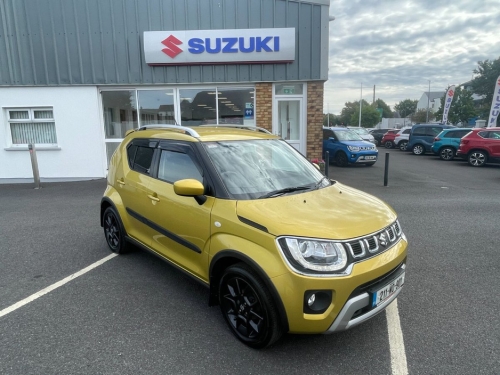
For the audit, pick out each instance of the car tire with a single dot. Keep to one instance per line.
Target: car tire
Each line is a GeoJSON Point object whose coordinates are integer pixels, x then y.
{"type": "Point", "coordinates": [477, 158]}
{"type": "Point", "coordinates": [447, 153]}
{"type": "Point", "coordinates": [341, 159]}
{"type": "Point", "coordinates": [418, 149]}
{"type": "Point", "coordinates": [114, 232]}
{"type": "Point", "coordinates": [248, 307]}
{"type": "Point", "coordinates": [402, 145]}
{"type": "Point", "coordinates": [389, 144]}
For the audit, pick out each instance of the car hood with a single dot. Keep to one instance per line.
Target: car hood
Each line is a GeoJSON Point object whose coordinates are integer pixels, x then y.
{"type": "Point", "coordinates": [358, 143]}
{"type": "Point", "coordinates": [335, 212]}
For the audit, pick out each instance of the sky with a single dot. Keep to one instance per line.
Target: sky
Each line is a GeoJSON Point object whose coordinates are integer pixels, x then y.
{"type": "Point", "coordinates": [399, 46]}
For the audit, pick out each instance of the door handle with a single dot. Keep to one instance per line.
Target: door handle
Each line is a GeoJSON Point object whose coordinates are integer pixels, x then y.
{"type": "Point", "coordinates": [120, 181]}
{"type": "Point", "coordinates": [153, 197]}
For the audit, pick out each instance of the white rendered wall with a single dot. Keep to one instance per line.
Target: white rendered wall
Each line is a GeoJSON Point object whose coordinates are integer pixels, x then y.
{"type": "Point", "coordinates": [80, 136]}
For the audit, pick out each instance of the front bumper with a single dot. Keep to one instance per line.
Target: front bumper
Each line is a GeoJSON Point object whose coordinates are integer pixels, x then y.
{"type": "Point", "coordinates": [349, 293]}
{"type": "Point", "coordinates": [357, 309]}
{"type": "Point", "coordinates": [362, 157]}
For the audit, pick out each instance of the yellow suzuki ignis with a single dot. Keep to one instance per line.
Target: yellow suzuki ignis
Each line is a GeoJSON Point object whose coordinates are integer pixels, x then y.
{"type": "Point", "coordinates": [280, 247]}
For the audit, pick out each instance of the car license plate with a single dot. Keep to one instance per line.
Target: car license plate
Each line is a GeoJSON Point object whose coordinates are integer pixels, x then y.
{"type": "Point", "coordinates": [370, 157]}
{"type": "Point", "coordinates": [384, 293]}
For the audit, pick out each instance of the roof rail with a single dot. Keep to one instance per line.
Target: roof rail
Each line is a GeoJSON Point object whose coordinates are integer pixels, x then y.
{"type": "Point", "coordinates": [186, 130]}
{"type": "Point", "coordinates": [246, 127]}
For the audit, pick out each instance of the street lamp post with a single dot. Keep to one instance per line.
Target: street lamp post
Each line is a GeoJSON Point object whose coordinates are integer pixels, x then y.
{"type": "Point", "coordinates": [360, 105]}
{"type": "Point", "coordinates": [428, 100]}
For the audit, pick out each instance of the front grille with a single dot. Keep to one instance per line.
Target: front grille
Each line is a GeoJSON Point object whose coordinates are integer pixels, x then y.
{"type": "Point", "coordinates": [377, 242]}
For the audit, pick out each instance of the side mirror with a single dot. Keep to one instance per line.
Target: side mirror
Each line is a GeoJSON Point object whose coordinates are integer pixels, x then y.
{"type": "Point", "coordinates": [190, 188]}
{"type": "Point", "coordinates": [332, 139]}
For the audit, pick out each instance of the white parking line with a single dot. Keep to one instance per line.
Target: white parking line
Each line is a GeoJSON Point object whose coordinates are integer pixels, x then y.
{"type": "Point", "coordinates": [54, 286]}
{"type": "Point", "coordinates": [396, 342]}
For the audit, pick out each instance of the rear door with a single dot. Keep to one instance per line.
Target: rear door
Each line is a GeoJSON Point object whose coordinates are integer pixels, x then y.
{"type": "Point", "coordinates": [494, 143]}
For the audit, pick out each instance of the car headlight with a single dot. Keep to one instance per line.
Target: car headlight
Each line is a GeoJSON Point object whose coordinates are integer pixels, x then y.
{"type": "Point", "coordinates": [353, 148]}
{"type": "Point", "coordinates": [315, 255]}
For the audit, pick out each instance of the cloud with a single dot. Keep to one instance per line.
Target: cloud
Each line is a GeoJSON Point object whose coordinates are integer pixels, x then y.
{"type": "Point", "coordinates": [399, 46]}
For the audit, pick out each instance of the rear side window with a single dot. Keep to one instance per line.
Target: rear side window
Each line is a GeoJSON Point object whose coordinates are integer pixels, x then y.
{"type": "Point", "coordinates": [407, 131]}
{"type": "Point", "coordinates": [140, 158]}
{"type": "Point", "coordinates": [419, 131]}
{"type": "Point", "coordinates": [433, 131]}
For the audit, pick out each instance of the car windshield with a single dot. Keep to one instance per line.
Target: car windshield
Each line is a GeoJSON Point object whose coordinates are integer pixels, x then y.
{"type": "Point", "coordinates": [347, 135]}
{"type": "Point", "coordinates": [263, 168]}
{"type": "Point", "coordinates": [360, 131]}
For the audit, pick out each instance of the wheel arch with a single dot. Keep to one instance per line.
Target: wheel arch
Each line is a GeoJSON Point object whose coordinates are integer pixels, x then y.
{"type": "Point", "coordinates": [227, 258]}
{"type": "Point", "coordinates": [478, 149]}
{"type": "Point", "coordinates": [447, 146]}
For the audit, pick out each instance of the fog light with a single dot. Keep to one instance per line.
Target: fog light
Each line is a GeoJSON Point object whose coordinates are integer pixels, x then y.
{"type": "Point", "coordinates": [311, 300]}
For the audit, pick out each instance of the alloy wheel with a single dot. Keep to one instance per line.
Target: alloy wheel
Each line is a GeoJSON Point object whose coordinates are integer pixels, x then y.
{"type": "Point", "coordinates": [243, 309]}
{"type": "Point", "coordinates": [112, 231]}
{"type": "Point", "coordinates": [447, 153]}
{"type": "Point", "coordinates": [402, 146]}
{"type": "Point", "coordinates": [477, 159]}
{"type": "Point", "coordinates": [418, 150]}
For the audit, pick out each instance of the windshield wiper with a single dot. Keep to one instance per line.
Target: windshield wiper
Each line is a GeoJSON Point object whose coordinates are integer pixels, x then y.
{"type": "Point", "coordinates": [318, 184]}
{"type": "Point", "coordinates": [284, 191]}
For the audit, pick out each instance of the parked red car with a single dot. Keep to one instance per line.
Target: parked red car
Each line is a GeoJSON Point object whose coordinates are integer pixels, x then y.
{"type": "Point", "coordinates": [388, 138]}
{"type": "Point", "coordinates": [480, 146]}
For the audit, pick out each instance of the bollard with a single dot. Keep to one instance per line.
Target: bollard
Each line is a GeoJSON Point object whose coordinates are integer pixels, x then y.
{"type": "Point", "coordinates": [34, 165]}
{"type": "Point", "coordinates": [327, 163]}
{"type": "Point", "coordinates": [386, 171]}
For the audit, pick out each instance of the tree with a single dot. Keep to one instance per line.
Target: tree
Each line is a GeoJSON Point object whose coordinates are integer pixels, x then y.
{"type": "Point", "coordinates": [487, 74]}
{"type": "Point", "coordinates": [461, 109]}
{"type": "Point", "coordinates": [329, 119]}
{"type": "Point", "coordinates": [406, 107]}
{"type": "Point", "coordinates": [386, 110]}
{"type": "Point", "coordinates": [349, 109]}
{"type": "Point", "coordinates": [369, 117]}
{"type": "Point", "coordinates": [484, 83]}
{"type": "Point", "coordinates": [420, 116]}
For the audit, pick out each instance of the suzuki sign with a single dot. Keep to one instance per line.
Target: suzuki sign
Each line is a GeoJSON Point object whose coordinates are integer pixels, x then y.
{"type": "Point", "coordinates": [230, 46]}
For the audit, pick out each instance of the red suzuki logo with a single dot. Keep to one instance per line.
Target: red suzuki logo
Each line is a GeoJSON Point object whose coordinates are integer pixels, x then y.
{"type": "Point", "coordinates": [450, 93]}
{"type": "Point", "coordinates": [171, 43]}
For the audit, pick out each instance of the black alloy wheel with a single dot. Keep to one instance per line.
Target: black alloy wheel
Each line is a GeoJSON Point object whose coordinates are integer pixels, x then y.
{"type": "Point", "coordinates": [113, 231]}
{"type": "Point", "coordinates": [248, 307]}
{"type": "Point", "coordinates": [402, 145]}
{"type": "Point", "coordinates": [418, 149]}
{"type": "Point", "coordinates": [341, 159]}
{"type": "Point", "coordinates": [389, 144]}
{"type": "Point", "coordinates": [447, 153]}
{"type": "Point", "coordinates": [477, 158]}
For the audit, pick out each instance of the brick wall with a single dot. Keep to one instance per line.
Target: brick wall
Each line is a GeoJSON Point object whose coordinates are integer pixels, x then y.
{"type": "Point", "coordinates": [264, 105]}
{"type": "Point", "coordinates": [314, 120]}
{"type": "Point", "coordinates": [264, 114]}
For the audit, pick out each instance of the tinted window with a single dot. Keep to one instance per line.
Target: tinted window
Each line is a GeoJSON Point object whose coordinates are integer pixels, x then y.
{"type": "Point", "coordinates": [407, 131]}
{"type": "Point", "coordinates": [483, 134]}
{"type": "Point", "coordinates": [433, 131]}
{"type": "Point", "coordinates": [419, 131]}
{"type": "Point", "coordinates": [131, 150]}
{"type": "Point", "coordinates": [143, 158]}
{"type": "Point", "coordinates": [495, 134]}
{"type": "Point", "coordinates": [175, 166]}
{"type": "Point", "coordinates": [327, 134]}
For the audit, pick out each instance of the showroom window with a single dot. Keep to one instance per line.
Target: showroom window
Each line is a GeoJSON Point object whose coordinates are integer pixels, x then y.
{"type": "Point", "coordinates": [236, 106]}
{"type": "Point", "coordinates": [198, 106]}
{"type": "Point", "coordinates": [32, 125]}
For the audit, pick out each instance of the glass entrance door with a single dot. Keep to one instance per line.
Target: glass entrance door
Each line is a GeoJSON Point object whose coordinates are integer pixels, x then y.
{"type": "Point", "coordinates": [288, 121]}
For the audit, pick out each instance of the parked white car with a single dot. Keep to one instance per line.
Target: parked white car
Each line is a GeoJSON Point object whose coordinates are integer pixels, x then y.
{"type": "Point", "coordinates": [363, 133]}
{"type": "Point", "coordinates": [402, 137]}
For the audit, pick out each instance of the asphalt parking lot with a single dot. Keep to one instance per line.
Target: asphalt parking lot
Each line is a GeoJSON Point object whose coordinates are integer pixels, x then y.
{"type": "Point", "coordinates": [137, 315]}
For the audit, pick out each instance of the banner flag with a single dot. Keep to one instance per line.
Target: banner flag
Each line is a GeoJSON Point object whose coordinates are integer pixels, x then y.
{"type": "Point", "coordinates": [447, 102]}
{"type": "Point", "coordinates": [495, 106]}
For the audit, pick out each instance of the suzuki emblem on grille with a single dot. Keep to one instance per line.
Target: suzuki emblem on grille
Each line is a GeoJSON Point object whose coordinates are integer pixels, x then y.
{"type": "Point", "coordinates": [383, 239]}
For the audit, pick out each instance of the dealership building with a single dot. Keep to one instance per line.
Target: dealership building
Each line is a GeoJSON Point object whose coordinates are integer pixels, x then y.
{"type": "Point", "coordinates": [76, 75]}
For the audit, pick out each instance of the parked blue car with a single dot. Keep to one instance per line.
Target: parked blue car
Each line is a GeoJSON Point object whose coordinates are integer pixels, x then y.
{"type": "Point", "coordinates": [346, 147]}
{"type": "Point", "coordinates": [446, 143]}
{"type": "Point", "coordinates": [422, 136]}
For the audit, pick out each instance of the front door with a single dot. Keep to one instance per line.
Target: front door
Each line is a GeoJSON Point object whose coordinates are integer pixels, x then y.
{"type": "Point", "coordinates": [288, 122]}
{"type": "Point", "coordinates": [182, 225]}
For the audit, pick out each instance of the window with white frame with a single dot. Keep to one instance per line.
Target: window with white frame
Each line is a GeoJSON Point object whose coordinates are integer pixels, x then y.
{"type": "Point", "coordinates": [32, 125]}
